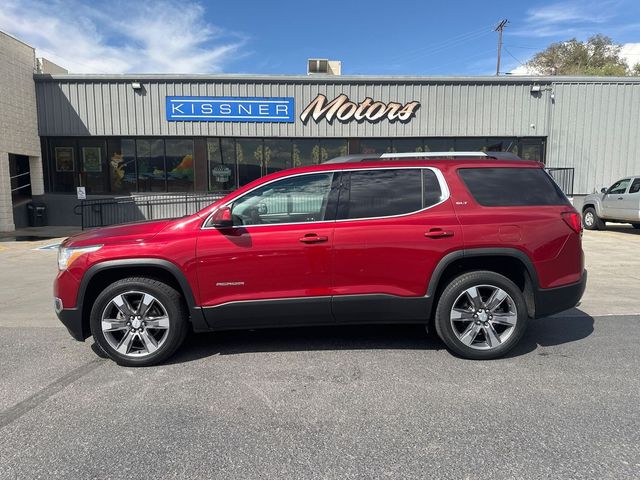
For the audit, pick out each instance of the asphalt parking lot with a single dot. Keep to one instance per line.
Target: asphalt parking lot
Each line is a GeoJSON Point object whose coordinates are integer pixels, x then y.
{"type": "Point", "coordinates": [365, 402]}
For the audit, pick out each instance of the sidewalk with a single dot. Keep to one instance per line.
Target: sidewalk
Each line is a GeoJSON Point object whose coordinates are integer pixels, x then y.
{"type": "Point", "coordinates": [39, 233]}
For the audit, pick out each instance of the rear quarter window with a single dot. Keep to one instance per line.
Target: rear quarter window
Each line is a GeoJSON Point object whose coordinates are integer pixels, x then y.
{"type": "Point", "coordinates": [512, 186]}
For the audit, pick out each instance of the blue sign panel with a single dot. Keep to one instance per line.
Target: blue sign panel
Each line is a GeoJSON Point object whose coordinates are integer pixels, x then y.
{"type": "Point", "coordinates": [230, 109]}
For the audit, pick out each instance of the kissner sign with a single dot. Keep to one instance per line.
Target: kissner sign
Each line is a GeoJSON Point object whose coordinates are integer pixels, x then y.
{"type": "Point", "coordinates": [345, 110]}
{"type": "Point", "coordinates": [230, 109]}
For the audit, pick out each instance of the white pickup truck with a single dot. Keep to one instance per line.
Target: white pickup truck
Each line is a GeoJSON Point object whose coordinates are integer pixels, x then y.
{"type": "Point", "coordinates": [619, 203]}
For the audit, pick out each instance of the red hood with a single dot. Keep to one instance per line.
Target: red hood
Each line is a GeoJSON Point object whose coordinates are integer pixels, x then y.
{"type": "Point", "coordinates": [127, 233]}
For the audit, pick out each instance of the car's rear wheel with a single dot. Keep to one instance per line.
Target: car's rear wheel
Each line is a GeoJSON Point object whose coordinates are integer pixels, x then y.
{"type": "Point", "coordinates": [590, 219]}
{"type": "Point", "coordinates": [481, 315]}
{"type": "Point", "coordinates": [139, 321]}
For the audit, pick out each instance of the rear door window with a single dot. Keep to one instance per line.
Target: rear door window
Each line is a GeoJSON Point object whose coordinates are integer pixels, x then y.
{"type": "Point", "coordinates": [507, 186]}
{"type": "Point", "coordinates": [387, 192]}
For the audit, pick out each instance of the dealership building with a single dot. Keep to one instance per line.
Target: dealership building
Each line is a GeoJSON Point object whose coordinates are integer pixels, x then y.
{"type": "Point", "coordinates": [129, 135]}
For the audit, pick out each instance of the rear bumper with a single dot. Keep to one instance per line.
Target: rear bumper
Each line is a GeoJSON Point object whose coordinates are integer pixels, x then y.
{"type": "Point", "coordinates": [555, 300]}
{"type": "Point", "coordinates": [72, 319]}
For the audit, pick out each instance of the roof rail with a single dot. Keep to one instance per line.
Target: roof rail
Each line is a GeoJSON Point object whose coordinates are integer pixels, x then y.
{"type": "Point", "coordinates": [362, 157]}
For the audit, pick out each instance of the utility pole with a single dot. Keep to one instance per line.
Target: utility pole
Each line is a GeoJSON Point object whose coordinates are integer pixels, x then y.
{"type": "Point", "coordinates": [499, 29]}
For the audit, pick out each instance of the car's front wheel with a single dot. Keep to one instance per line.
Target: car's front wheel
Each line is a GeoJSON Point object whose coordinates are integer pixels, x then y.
{"type": "Point", "coordinates": [139, 321]}
{"type": "Point", "coordinates": [481, 315]}
{"type": "Point", "coordinates": [590, 219]}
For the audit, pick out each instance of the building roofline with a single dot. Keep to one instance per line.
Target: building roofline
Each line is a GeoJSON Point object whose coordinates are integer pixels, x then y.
{"type": "Point", "coordinates": [17, 40]}
{"type": "Point", "coordinates": [328, 78]}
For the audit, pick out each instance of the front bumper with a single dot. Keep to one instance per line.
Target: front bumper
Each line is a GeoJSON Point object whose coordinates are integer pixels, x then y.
{"type": "Point", "coordinates": [72, 319]}
{"type": "Point", "coordinates": [554, 300]}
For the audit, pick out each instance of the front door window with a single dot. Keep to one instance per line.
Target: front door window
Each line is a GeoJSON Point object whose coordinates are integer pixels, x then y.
{"type": "Point", "coordinates": [302, 198]}
{"type": "Point", "coordinates": [619, 187]}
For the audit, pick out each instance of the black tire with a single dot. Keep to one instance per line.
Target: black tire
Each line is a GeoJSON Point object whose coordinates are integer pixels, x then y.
{"type": "Point", "coordinates": [596, 224]}
{"type": "Point", "coordinates": [170, 300]}
{"type": "Point", "coordinates": [636, 225]}
{"type": "Point", "coordinates": [456, 288]}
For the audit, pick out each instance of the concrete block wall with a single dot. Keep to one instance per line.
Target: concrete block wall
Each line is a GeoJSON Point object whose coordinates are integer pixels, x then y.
{"type": "Point", "coordinates": [18, 120]}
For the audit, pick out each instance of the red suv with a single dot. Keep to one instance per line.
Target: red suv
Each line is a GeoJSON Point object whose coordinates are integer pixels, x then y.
{"type": "Point", "coordinates": [470, 243]}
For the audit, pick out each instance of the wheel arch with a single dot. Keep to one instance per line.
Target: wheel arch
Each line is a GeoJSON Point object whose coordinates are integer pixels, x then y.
{"type": "Point", "coordinates": [102, 274]}
{"type": "Point", "coordinates": [594, 205]}
{"type": "Point", "coordinates": [510, 262]}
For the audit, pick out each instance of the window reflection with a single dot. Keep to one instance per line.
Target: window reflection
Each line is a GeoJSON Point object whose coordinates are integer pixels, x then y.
{"type": "Point", "coordinates": [277, 155]}
{"type": "Point", "coordinates": [221, 154]}
{"type": "Point", "coordinates": [306, 152]}
{"type": "Point", "coordinates": [249, 155]}
{"type": "Point", "coordinates": [331, 148]}
{"type": "Point", "coordinates": [151, 166]}
{"type": "Point", "coordinates": [179, 158]}
{"type": "Point", "coordinates": [375, 145]}
{"type": "Point", "coordinates": [122, 165]}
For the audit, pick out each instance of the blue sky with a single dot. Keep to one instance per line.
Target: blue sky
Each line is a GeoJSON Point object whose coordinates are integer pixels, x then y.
{"type": "Point", "coordinates": [370, 37]}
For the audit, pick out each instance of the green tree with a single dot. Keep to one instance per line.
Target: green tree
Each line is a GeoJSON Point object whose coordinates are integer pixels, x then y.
{"type": "Point", "coordinates": [597, 56]}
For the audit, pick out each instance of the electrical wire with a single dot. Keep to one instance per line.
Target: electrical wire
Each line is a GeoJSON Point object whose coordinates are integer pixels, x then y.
{"type": "Point", "coordinates": [444, 45]}
{"type": "Point", "coordinates": [512, 56]}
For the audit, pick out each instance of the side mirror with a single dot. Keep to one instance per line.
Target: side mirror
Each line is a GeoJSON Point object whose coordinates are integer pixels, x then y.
{"type": "Point", "coordinates": [222, 218]}
{"type": "Point", "coordinates": [603, 190]}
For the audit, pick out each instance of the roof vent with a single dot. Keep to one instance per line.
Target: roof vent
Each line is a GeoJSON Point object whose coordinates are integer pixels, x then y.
{"type": "Point", "coordinates": [322, 66]}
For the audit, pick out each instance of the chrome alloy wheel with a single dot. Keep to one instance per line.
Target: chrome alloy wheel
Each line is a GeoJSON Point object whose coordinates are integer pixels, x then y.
{"type": "Point", "coordinates": [483, 317]}
{"type": "Point", "coordinates": [589, 219]}
{"type": "Point", "coordinates": [135, 324]}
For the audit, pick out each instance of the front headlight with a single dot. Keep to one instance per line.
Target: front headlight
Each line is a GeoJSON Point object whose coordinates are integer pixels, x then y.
{"type": "Point", "coordinates": [66, 255]}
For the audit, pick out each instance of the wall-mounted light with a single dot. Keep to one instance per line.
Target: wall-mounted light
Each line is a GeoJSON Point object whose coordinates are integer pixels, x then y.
{"type": "Point", "coordinates": [535, 88]}
{"type": "Point", "coordinates": [136, 85]}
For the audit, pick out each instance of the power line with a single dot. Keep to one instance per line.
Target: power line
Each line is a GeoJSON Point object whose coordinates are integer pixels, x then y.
{"type": "Point", "coordinates": [512, 56]}
{"type": "Point", "coordinates": [444, 45]}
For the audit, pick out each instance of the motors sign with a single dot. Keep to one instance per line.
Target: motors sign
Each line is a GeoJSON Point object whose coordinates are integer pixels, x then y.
{"type": "Point", "coordinates": [230, 109]}
{"type": "Point", "coordinates": [345, 110]}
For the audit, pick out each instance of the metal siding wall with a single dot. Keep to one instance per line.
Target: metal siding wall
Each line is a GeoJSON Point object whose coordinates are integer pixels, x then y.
{"type": "Point", "coordinates": [595, 129]}
{"type": "Point", "coordinates": [112, 107]}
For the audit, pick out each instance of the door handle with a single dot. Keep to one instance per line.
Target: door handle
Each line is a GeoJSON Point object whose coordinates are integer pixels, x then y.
{"type": "Point", "coordinates": [438, 233]}
{"type": "Point", "coordinates": [620, 198]}
{"type": "Point", "coordinates": [313, 238]}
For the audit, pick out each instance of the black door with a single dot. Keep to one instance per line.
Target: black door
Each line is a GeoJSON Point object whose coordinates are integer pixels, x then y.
{"type": "Point", "coordinates": [20, 176]}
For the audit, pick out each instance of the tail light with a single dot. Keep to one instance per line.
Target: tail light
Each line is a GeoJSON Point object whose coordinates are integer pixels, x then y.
{"type": "Point", "coordinates": [573, 220]}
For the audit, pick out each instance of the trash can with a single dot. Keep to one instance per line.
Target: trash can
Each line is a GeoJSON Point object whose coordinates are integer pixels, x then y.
{"type": "Point", "coordinates": [37, 213]}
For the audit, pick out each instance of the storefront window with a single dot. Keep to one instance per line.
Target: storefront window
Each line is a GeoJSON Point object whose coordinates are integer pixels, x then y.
{"type": "Point", "coordinates": [375, 145]}
{"type": "Point", "coordinates": [222, 164]}
{"type": "Point", "coordinates": [531, 151]}
{"type": "Point", "coordinates": [179, 157]}
{"type": "Point", "coordinates": [439, 145]}
{"type": "Point", "coordinates": [471, 144]}
{"type": "Point", "coordinates": [305, 152]}
{"type": "Point", "coordinates": [249, 155]}
{"type": "Point", "coordinates": [151, 166]}
{"type": "Point", "coordinates": [277, 155]}
{"type": "Point", "coordinates": [122, 165]}
{"type": "Point", "coordinates": [332, 148]}
{"type": "Point", "coordinates": [407, 145]}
